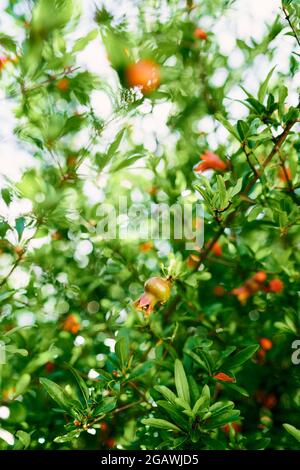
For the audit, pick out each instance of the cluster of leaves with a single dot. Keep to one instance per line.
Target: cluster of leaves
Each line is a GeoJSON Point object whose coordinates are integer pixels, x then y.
{"type": "Point", "coordinates": [80, 367]}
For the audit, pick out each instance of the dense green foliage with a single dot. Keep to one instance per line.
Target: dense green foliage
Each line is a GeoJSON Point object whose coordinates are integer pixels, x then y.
{"type": "Point", "coordinates": [212, 367]}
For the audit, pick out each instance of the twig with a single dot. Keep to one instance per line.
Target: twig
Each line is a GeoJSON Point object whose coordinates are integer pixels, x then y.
{"type": "Point", "coordinates": [51, 79]}
{"type": "Point", "coordinates": [10, 272]}
{"type": "Point", "coordinates": [287, 17]}
{"type": "Point", "coordinates": [278, 143]}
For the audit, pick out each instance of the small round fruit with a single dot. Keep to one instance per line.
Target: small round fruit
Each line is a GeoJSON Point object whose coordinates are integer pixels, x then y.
{"type": "Point", "coordinates": [144, 74]}
{"type": "Point", "coordinates": [276, 285]}
{"type": "Point", "coordinates": [158, 287]}
{"type": "Point", "coordinates": [260, 276]}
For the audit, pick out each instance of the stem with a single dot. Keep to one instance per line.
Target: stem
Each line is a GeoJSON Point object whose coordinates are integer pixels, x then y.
{"type": "Point", "coordinates": [51, 79]}
{"type": "Point", "coordinates": [10, 272]}
{"type": "Point", "coordinates": [278, 143]}
{"type": "Point", "coordinates": [287, 17]}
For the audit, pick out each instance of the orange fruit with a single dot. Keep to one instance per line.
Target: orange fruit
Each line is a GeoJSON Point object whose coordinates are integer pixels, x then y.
{"type": "Point", "coordinates": [144, 74]}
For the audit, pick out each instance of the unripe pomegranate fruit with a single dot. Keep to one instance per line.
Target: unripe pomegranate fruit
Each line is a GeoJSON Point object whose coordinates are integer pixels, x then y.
{"type": "Point", "coordinates": [156, 290]}
{"type": "Point", "coordinates": [158, 287]}
{"type": "Point", "coordinates": [144, 74]}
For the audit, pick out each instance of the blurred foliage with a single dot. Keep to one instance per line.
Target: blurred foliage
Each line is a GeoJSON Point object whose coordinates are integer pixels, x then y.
{"type": "Point", "coordinates": [82, 368]}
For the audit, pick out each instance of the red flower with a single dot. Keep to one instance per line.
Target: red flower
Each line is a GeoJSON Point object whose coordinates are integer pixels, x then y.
{"type": "Point", "coordinates": [266, 344]}
{"type": "Point", "coordinates": [146, 303]}
{"type": "Point", "coordinates": [285, 174]}
{"type": "Point", "coordinates": [200, 34]}
{"type": "Point", "coordinates": [210, 161]}
{"type": "Point", "coordinates": [3, 62]}
{"type": "Point", "coordinates": [234, 425]}
{"type": "Point", "coordinates": [223, 377]}
{"type": "Point", "coordinates": [216, 249]}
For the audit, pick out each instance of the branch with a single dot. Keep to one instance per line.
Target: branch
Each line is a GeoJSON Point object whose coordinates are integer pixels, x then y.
{"type": "Point", "coordinates": [11, 271]}
{"type": "Point", "coordinates": [278, 143]}
{"type": "Point", "coordinates": [287, 17]}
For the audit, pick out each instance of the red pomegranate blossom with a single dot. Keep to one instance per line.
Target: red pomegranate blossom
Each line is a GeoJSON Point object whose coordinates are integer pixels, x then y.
{"type": "Point", "coordinates": [224, 377]}
{"type": "Point", "coordinates": [210, 161]}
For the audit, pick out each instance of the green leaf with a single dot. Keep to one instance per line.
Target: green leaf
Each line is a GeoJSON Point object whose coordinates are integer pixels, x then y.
{"type": "Point", "coordinates": [282, 94]}
{"type": "Point", "coordinates": [3, 229]}
{"type": "Point", "coordinates": [41, 359]}
{"type": "Point", "coordinates": [82, 385]}
{"type": "Point", "coordinates": [239, 358]}
{"type": "Point", "coordinates": [227, 125]}
{"type": "Point", "coordinates": [203, 402]}
{"type": "Point", "coordinates": [107, 405]}
{"type": "Point", "coordinates": [22, 384]}
{"type": "Point", "coordinates": [237, 388]}
{"type": "Point", "coordinates": [292, 431]}
{"type": "Point", "coordinates": [166, 393]}
{"type": "Point", "coordinates": [12, 349]}
{"type": "Point", "coordinates": [116, 143]}
{"type": "Point", "coordinates": [57, 394]}
{"type": "Point", "coordinates": [20, 225]}
{"type": "Point", "coordinates": [69, 436]}
{"type": "Point", "coordinates": [126, 162]}
{"type": "Point", "coordinates": [140, 369]}
{"type": "Point", "coordinates": [220, 407]}
{"type": "Point", "coordinates": [122, 351]}
{"type": "Point", "coordinates": [224, 418]}
{"type": "Point", "coordinates": [6, 196]}
{"type": "Point", "coordinates": [263, 87]}
{"type": "Point", "coordinates": [243, 129]}
{"type": "Point", "coordinates": [81, 43]}
{"type": "Point", "coordinates": [174, 414]}
{"type": "Point", "coordinates": [24, 437]}
{"type": "Point", "coordinates": [203, 363]}
{"type": "Point", "coordinates": [160, 423]}
{"type": "Point", "coordinates": [181, 382]}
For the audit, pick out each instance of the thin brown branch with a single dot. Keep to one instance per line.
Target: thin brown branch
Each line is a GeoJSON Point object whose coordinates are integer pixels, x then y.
{"type": "Point", "coordinates": [10, 272]}
{"type": "Point", "coordinates": [287, 17]}
{"type": "Point", "coordinates": [51, 79]}
{"type": "Point", "coordinates": [278, 143]}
